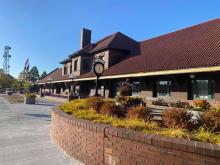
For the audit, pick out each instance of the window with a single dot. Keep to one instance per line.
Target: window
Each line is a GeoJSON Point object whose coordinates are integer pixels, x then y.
{"type": "Point", "coordinates": [75, 65]}
{"type": "Point", "coordinates": [71, 68]}
{"type": "Point", "coordinates": [136, 88]}
{"type": "Point", "coordinates": [202, 89]}
{"type": "Point", "coordinates": [163, 88]}
{"type": "Point", "coordinates": [65, 70]}
{"type": "Point", "coordinates": [86, 64]}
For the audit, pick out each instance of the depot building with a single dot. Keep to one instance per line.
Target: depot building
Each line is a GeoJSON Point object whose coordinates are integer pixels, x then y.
{"type": "Point", "coordinates": [181, 65]}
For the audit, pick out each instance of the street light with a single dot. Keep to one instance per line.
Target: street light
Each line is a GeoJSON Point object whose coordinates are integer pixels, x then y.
{"type": "Point", "coordinates": [98, 69]}
{"type": "Point", "coordinates": [72, 76]}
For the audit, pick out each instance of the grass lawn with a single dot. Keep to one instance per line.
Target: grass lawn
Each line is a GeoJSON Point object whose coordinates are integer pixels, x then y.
{"type": "Point", "coordinates": [14, 98]}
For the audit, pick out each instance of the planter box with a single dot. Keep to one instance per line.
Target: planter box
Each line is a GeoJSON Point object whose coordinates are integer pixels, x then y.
{"type": "Point", "coordinates": [111, 143]}
{"type": "Point", "coordinates": [29, 100]}
{"type": "Point", "coordinates": [9, 93]}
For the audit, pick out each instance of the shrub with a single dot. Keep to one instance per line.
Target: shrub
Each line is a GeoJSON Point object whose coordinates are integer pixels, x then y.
{"type": "Point", "coordinates": [30, 95]}
{"type": "Point", "coordinates": [111, 109]}
{"type": "Point", "coordinates": [160, 101]}
{"type": "Point", "coordinates": [211, 119]}
{"type": "Point", "coordinates": [180, 104]}
{"type": "Point", "coordinates": [201, 105]}
{"type": "Point", "coordinates": [178, 118]}
{"type": "Point", "coordinates": [71, 106]}
{"type": "Point", "coordinates": [205, 135]}
{"type": "Point", "coordinates": [139, 112]}
{"type": "Point", "coordinates": [125, 91]}
{"type": "Point", "coordinates": [175, 132]}
{"type": "Point", "coordinates": [127, 101]}
{"type": "Point", "coordinates": [136, 124]}
{"type": "Point", "coordinates": [94, 103]}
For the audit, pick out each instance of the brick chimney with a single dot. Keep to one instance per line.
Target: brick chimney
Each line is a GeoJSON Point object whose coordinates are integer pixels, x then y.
{"type": "Point", "coordinates": [85, 37]}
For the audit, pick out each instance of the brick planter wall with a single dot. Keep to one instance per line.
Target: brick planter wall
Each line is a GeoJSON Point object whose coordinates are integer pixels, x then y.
{"type": "Point", "coordinates": [95, 144]}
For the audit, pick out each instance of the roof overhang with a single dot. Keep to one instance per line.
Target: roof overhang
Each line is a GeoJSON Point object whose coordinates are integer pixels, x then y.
{"type": "Point", "coordinates": [156, 73]}
{"type": "Point", "coordinates": [144, 74]}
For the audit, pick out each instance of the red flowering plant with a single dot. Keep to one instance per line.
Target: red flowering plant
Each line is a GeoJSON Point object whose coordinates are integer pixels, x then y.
{"type": "Point", "coordinates": [201, 105]}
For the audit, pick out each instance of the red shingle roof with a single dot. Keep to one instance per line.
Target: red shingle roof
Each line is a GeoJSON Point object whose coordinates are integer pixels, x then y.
{"type": "Point", "coordinates": [193, 47]}
{"type": "Point", "coordinates": [55, 75]}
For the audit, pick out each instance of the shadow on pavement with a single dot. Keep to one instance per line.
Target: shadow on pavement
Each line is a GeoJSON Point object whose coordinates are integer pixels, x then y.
{"type": "Point", "coordinates": [39, 115]}
{"type": "Point", "coordinates": [45, 104]}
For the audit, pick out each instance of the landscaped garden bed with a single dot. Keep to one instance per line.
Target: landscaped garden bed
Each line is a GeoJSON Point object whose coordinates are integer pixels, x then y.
{"type": "Point", "coordinates": [128, 112]}
{"type": "Point", "coordinates": [14, 98]}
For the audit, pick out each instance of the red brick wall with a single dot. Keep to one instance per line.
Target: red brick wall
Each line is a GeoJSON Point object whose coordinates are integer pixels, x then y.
{"type": "Point", "coordinates": [101, 144]}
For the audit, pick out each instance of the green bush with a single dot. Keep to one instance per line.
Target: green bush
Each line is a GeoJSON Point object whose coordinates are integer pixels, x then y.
{"type": "Point", "coordinates": [178, 118]}
{"type": "Point", "coordinates": [211, 119]}
{"type": "Point", "coordinates": [139, 112]}
{"type": "Point", "coordinates": [94, 103]}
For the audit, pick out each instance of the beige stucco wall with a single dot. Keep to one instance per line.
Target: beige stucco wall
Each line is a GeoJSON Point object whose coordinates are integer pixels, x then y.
{"type": "Point", "coordinates": [77, 72]}
{"type": "Point", "coordinates": [105, 55]}
{"type": "Point", "coordinates": [68, 68]}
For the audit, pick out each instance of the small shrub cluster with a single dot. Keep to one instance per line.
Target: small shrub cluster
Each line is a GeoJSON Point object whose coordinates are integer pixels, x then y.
{"type": "Point", "coordinates": [175, 132]}
{"type": "Point", "coordinates": [111, 109]}
{"type": "Point", "coordinates": [95, 103]}
{"type": "Point", "coordinates": [160, 101]}
{"type": "Point", "coordinates": [178, 118]}
{"type": "Point", "coordinates": [139, 112]}
{"type": "Point", "coordinates": [127, 101]}
{"type": "Point", "coordinates": [178, 122]}
{"type": "Point", "coordinates": [201, 105]}
{"type": "Point", "coordinates": [205, 135]}
{"type": "Point", "coordinates": [180, 104]}
{"type": "Point", "coordinates": [30, 95]}
{"type": "Point", "coordinates": [211, 119]}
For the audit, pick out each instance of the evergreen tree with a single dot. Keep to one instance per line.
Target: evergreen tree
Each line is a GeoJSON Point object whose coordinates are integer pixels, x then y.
{"type": "Point", "coordinates": [6, 81]}
{"type": "Point", "coordinates": [44, 74]}
{"type": "Point", "coordinates": [33, 74]}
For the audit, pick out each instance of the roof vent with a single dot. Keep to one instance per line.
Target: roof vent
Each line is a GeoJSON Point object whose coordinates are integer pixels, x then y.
{"type": "Point", "coordinates": [85, 37]}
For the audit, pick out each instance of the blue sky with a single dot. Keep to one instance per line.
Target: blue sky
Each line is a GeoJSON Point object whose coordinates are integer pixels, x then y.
{"type": "Point", "coordinates": [47, 31]}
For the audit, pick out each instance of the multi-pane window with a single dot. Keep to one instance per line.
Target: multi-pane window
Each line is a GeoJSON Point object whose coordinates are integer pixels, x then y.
{"type": "Point", "coordinates": [163, 88]}
{"type": "Point", "coordinates": [86, 64]}
{"type": "Point", "coordinates": [203, 89]}
{"type": "Point", "coordinates": [136, 88]}
{"type": "Point", "coordinates": [75, 65]}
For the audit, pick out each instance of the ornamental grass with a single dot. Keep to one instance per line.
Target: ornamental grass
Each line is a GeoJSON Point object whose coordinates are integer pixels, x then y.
{"type": "Point", "coordinates": [177, 125]}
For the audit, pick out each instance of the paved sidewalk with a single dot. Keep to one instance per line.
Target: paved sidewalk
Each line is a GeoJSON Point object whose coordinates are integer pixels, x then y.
{"type": "Point", "coordinates": [24, 136]}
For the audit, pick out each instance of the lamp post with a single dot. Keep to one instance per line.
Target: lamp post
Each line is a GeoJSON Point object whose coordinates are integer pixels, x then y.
{"type": "Point", "coordinates": [98, 69]}
{"type": "Point", "coordinates": [72, 76]}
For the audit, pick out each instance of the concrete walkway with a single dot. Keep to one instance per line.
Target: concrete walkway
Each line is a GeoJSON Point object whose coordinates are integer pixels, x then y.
{"type": "Point", "coordinates": [24, 136]}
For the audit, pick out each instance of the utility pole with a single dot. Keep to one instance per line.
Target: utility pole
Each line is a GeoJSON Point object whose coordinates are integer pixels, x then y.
{"type": "Point", "coordinates": [6, 56]}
